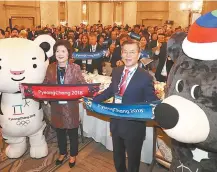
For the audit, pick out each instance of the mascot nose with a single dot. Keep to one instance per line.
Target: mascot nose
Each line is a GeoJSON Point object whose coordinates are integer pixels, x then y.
{"type": "Point", "coordinates": [166, 115]}
{"type": "Point", "coordinates": [17, 72]}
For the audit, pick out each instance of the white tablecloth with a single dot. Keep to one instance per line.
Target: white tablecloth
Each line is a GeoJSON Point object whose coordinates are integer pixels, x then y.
{"type": "Point", "coordinates": [98, 128]}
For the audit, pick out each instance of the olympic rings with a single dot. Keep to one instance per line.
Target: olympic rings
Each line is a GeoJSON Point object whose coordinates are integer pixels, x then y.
{"type": "Point", "coordinates": [23, 122]}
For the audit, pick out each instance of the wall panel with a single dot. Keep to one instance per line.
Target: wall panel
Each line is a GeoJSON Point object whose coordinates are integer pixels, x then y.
{"type": "Point", "coordinates": [130, 9]}
{"type": "Point", "coordinates": [152, 11]}
{"type": "Point", "coordinates": [49, 12]}
{"type": "Point", "coordinates": [10, 9]}
{"type": "Point", "coordinates": [74, 13]}
{"type": "Point", "coordinates": [93, 12]}
{"type": "Point", "coordinates": [180, 18]}
{"type": "Point", "coordinates": [107, 13]}
{"type": "Point", "coordinates": [209, 6]}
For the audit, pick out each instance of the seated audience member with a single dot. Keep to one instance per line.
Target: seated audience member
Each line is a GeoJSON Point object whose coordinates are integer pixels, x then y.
{"type": "Point", "coordinates": [113, 39]}
{"type": "Point", "coordinates": [83, 47]}
{"type": "Point", "coordinates": [108, 56]}
{"type": "Point", "coordinates": [94, 47]}
{"type": "Point", "coordinates": [71, 41]}
{"type": "Point", "coordinates": [101, 42]}
{"type": "Point", "coordinates": [116, 56]}
{"type": "Point", "coordinates": [32, 34]}
{"type": "Point", "coordinates": [160, 54]}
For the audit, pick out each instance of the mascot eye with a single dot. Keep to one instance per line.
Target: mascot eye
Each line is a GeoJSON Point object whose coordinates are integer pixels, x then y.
{"type": "Point", "coordinates": [195, 92]}
{"type": "Point", "coordinates": [185, 65]}
{"type": "Point", "coordinates": [0, 67]}
{"type": "Point", "coordinates": [179, 86]}
{"type": "Point", "coordinates": [35, 66]}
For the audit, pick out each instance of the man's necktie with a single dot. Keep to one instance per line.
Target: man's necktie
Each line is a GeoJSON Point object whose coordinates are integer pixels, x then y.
{"type": "Point", "coordinates": [123, 84]}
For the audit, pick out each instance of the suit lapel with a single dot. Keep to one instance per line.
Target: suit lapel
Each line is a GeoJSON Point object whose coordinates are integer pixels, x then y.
{"type": "Point", "coordinates": [67, 74]}
{"type": "Point", "coordinates": [55, 74]}
{"type": "Point", "coordinates": [119, 74]}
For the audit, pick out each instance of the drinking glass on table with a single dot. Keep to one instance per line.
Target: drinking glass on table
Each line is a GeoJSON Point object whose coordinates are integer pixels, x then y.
{"type": "Point", "coordinates": [95, 72]}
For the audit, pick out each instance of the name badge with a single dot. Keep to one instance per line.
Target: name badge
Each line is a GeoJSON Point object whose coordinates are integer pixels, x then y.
{"type": "Point", "coordinates": [89, 61]}
{"type": "Point", "coordinates": [84, 61]}
{"type": "Point", "coordinates": [118, 99]}
{"type": "Point", "coordinates": [62, 102]}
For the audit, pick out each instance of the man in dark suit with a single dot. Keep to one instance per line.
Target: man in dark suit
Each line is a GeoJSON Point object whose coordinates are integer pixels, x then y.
{"type": "Point", "coordinates": [32, 34]}
{"type": "Point", "coordinates": [116, 56]}
{"type": "Point", "coordinates": [114, 39]}
{"type": "Point", "coordinates": [130, 85]}
{"type": "Point", "coordinates": [160, 54]}
{"type": "Point", "coordinates": [94, 47]}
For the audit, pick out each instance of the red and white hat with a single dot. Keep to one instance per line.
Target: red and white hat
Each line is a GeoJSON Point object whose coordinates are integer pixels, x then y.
{"type": "Point", "coordinates": [201, 42]}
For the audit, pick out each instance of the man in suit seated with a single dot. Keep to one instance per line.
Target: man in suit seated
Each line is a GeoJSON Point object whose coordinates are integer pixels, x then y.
{"type": "Point", "coordinates": [113, 39]}
{"type": "Point", "coordinates": [32, 34]}
{"type": "Point", "coordinates": [116, 56]}
{"type": "Point", "coordinates": [94, 47]}
{"type": "Point", "coordinates": [160, 55]}
{"type": "Point", "coordinates": [130, 85]}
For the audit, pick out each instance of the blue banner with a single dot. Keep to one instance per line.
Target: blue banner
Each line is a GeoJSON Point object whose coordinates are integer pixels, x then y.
{"type": "Point", "coordinates": [144, 54]}
{"type": "Point", "coordinates": [140, 112]}
{"type": "Point", "coordinates": [89, 55]}
{"type": "Point", "coordinates": [134, 36]}
{"type": "Point", "coordinates": [105, 42]}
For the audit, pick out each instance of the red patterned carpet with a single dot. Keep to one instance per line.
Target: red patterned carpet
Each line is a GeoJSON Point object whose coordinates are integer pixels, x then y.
{"type": "Point", "coordinates": [27, 164]}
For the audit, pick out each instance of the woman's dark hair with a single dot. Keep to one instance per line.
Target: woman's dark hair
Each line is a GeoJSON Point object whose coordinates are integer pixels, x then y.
{"type": "Point", "coordinates": [64, 43]}
{"type": "Point", "coordinates": [2, 32]}
{"type": "Point", "coordinates": [73, 40]}
{"type": "Point", "coordinates": [7, 29]}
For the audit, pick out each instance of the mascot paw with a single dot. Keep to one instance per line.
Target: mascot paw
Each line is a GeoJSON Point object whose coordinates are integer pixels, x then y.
{"type": "Point", "coordinates": [16, 150]}
{"type": "Point", "coordinates": [39, 151]}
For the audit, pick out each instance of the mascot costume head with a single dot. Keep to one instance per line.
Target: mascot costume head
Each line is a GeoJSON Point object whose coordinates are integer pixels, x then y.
{"type": "Point", "coordinates": [23, 61]}
{"type": "Point", "coordinates": [188, 114]}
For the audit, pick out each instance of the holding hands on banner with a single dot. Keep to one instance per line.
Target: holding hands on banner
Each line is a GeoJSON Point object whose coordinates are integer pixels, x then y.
{"type": "Point", "coordinates": [59, 92]}
{"type": "Point", "coordinates": [69, 92]}
{"type": "Point", "coordinates": [75, 92]}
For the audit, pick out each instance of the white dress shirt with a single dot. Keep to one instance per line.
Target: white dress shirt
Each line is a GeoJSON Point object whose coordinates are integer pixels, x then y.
{"type": "Point", "coordinates": [130, 74]}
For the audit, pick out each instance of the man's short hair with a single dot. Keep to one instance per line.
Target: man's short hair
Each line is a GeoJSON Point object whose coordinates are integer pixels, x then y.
{"type": "Point", "coordinates": [138, 26]}
{"type": "Point", "coordinates": [161, 34]}
{"type": "Point", "coordinates": [92, 34]}
{"type": "Point", "coordinates": [2, 32]}
{"type": "Point", "coordinates": [124, 35]}
{"type": "Point", "coordinates": [14, 29]}
{"type": "Point", "coordinates": [131, 42]}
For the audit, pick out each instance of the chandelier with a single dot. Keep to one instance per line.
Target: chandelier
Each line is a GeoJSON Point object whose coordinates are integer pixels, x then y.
{"type": "Point", "coordinates": [195, 6]}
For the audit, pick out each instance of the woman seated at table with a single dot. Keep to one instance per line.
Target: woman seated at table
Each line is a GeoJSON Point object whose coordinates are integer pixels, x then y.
{"type": "Point", "coordinates": [65, 114]}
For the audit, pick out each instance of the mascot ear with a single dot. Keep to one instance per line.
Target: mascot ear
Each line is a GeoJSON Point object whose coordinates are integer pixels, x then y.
{"type": "Point", "coordinates": [174, 45]}
{"type": "Point", "coordinates": [46, 42]}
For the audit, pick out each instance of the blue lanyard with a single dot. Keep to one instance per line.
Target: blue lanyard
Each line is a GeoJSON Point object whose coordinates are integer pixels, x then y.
{"type": "Point", "coordinates": [62, 78]}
